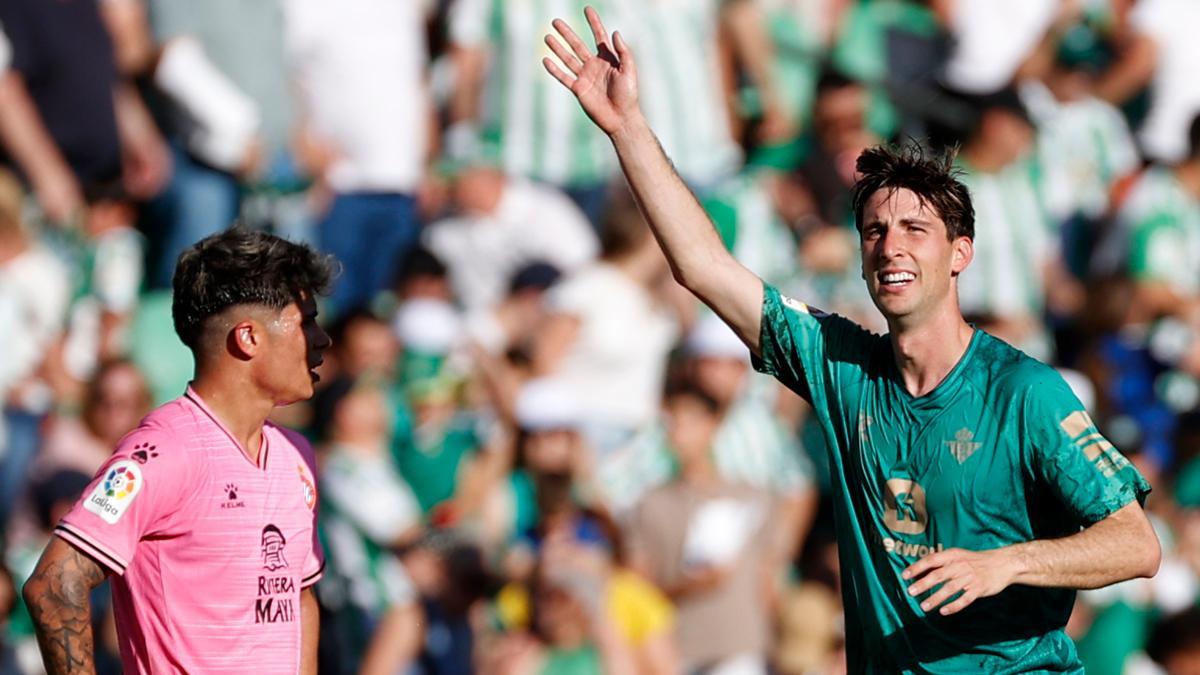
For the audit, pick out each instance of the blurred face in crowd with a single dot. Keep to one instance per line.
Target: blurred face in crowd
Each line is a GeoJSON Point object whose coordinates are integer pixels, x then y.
{"type": "Point", "coordinates": [839, 119]}
{"type": "Point", "coordinates": [691, 427]}
{"type": "Point", "coordinates": [478, 190]}
{"type": "Point", "coordinates": [908, 260]}
{"type": "Point", "coordinates": [721, 377]}
{"type": "Point", "coordinates": [1006, 133]}
{"type": "Point", "coordinates": [119, 399]}
{"type": "Point", "coordinates": [291, 352]}
{"type": "Point", "coordinates": [363, 414]}
{"type": "Point", "coordinates": [368, 347]}
{"type": "Point", "coordinates": [552, 451]}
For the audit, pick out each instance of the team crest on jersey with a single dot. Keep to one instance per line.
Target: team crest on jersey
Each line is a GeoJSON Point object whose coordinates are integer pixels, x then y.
{"type": "Point", "coordinates": [310, 490]}
{"type": "Point", "coordinates": [272, 548]}
{"type": "Point", "coordinates": [962, 447]}
{"type": "Point", "coordinates": [115, 492]}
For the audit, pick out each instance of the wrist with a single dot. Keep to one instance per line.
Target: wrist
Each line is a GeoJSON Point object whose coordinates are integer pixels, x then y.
{"type": "Point", "coordinates": [631, 130]}
{"type": "Point", "coordinates": [1015, 562]}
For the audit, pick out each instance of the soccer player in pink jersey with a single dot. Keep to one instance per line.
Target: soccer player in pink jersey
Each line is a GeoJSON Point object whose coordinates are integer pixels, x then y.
{"type": "Point", "coordinates": [205, 516]}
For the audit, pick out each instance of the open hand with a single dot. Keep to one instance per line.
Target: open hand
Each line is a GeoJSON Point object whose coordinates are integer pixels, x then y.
{"type": "Point", "coordinates": [976, 574]}
{"type": "Point", "coordinates": [606, 82]}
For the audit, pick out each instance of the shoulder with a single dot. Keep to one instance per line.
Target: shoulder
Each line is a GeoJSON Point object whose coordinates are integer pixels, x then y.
{"type": "Point", "coordinates": [1022, 379]}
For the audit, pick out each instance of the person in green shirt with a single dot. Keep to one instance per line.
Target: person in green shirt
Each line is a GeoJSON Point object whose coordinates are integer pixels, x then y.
{"type": "Point", "coordinates": [971, 490]}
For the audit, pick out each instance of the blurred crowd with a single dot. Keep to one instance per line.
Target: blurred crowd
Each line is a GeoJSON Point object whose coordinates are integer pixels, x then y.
{"type": "Point", "coordinates": [538, 453]}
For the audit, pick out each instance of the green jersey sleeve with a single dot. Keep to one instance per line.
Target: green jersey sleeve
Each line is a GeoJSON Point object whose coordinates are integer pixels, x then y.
{"type": "Point", "coordinates": [1069, 455]}
{"type": "Point", "coordinates": [815, 354]}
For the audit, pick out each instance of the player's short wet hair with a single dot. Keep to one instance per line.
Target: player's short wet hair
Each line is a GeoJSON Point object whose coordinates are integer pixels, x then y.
{"type": "Point", "coordinates": [929, 175]}
{"type": "Point", "coordinates": [241, 267]}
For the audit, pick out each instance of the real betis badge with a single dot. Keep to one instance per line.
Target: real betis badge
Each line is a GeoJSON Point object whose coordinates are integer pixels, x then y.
{"type": "Point", "coordinates": [962, 447]}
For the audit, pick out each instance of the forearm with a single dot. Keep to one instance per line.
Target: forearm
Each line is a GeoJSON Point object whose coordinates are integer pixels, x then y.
{"type": "Point", "coordinates": [746, 25]}
{"type": "Point", "coordinates": [310, 629]}
{"type": "Point", "coordinates": [697, 256]}
{"type": "Point", "coordinates": [23, 133]}
{"type": "Point", "coordinates": [1120, 547]}
{"type": "Point", "coordinates": [57, 597]}
{"type": "Point", "coordinates": [395, 643]}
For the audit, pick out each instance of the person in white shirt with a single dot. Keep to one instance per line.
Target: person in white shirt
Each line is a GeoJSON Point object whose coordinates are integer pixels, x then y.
{"type": "Point", "coordinates": [359, 67]}
{"type": "Point", "coordinates": [504, 224]}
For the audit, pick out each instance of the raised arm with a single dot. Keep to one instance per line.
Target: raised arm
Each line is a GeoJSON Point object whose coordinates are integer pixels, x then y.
{"type": "Point", "coordinates": [1119, 547]}
{"type": "Point", "coordinates": [606, 85]}
{"type": "Point", "coordinates": [57, 597]}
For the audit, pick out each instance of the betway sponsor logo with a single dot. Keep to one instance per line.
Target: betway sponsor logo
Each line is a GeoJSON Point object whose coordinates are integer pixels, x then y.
{"type": "Point", "coordinates": [910, 550]}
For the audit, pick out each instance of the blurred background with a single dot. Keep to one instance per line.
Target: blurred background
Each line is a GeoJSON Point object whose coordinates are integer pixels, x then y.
{"type": "Point", "coordinates": [540, 455]}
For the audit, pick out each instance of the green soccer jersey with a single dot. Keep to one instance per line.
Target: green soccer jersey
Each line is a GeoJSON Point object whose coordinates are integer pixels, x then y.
{"type": "Point", "coordinates": [1001, 452]}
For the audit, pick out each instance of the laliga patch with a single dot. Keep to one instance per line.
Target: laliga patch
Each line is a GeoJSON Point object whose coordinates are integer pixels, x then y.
{"type": "Point", "coordinates": [113, 494]}
{"type": "Point", "coordinates": [797, 306]}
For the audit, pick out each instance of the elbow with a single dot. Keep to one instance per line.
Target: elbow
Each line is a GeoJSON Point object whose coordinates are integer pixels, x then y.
{"type": "Point", "coordinates": [1152, 558]}
{"type": "Point", "coordinates": [33, 591]}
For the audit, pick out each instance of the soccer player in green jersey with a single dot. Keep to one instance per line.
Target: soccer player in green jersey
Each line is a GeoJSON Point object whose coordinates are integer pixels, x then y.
{"type": "Point", "coordinates": [972, 492]}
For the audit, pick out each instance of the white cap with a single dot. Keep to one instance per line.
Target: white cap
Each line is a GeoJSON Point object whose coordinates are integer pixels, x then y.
{"type": "Point", "coordinates": [429, 326]}
{"type": "Point", "coordinates": [547, 403]}
{"type": "Point", "coordinates": [711, 337]}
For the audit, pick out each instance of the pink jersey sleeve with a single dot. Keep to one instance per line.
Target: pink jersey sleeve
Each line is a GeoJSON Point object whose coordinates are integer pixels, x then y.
{"type": "Point", "coordinates": [314, 562]}
{"type": "Point", "coordinates": [133, 495]}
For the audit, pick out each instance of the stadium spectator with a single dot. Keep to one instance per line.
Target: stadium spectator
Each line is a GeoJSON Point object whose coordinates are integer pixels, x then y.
{"type": "Point", "coordinates": [503, 224]}
{"type": "Point", "coordinates": [503, 113]}
{"type": "Point", "coordinates": [35, 292]}
{"type": "Point", "coordinates": [1156, 51]}
{"type": "Point", "coordinates": [368, 514]}
{"type": "Point", "coordinates": [115, 402]}
{"type": "Point", "coordinates": [1017, 259]}
{"type": "Point", "coordinates": [225, 105]}
{"type": "Point", "coordinates": [365, 135]}
{"type": "Point", "coordinates": [703, 539]}
{"type": "Point", "coordinates": [611, 327]}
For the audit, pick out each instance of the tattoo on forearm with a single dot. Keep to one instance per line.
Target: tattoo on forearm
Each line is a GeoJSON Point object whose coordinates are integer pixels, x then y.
{"type": "Point", "coordinates": [61, 611]}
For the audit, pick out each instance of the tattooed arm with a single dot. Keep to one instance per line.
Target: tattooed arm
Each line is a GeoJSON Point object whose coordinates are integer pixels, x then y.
{"type": "Point", "coordinates": [57, 597]}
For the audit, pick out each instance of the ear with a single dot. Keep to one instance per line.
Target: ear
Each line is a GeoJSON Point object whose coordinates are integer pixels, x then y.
{"type": "Point", "coordinates": [964, 253]}
{"type": "Point", "coordinates": [244, 339]}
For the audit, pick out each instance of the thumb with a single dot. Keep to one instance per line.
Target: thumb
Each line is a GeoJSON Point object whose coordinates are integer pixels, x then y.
{"type": "Point", "coordinates": [624, 53]}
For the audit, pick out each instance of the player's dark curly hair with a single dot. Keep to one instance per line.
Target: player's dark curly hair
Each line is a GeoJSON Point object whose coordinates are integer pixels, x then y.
{"type": "Point", "coordinates": [240, 267]}
{"type": "Point", "coordinates": [931, 176]}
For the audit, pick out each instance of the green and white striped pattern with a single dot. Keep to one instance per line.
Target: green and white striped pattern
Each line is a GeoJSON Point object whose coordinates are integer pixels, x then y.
{"type": "Point", "coordinates": [745, 216]}
{"type": "Point", "coordinates": [530, 124]}
{"type": "Point", "coordinates": [753, 447]}
{"type": "Point", "coordinates": [679, 83]}
{"type": "Point", "coordinates": [1013, 243]}
{"type": "Point", "coordinates": [1161, 222]}
{"type": "Point", "coordinates": [1085, 146]}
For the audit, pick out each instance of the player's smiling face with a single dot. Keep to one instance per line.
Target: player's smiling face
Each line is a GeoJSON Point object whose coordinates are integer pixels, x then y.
{"type": "Point", "coordinates": [908, 260]}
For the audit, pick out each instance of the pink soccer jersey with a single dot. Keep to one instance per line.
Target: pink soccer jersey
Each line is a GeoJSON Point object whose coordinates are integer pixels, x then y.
{"type": "Point", "coordinates": [209, 550]}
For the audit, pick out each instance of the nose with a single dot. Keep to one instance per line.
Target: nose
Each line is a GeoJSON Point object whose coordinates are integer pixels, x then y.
{"type": "Point", "coordinates": [323, 340]}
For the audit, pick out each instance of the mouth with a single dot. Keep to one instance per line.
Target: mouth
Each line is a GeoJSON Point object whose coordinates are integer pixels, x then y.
{"type": "Point", "coordinates": [895, 280]}
{"type": "Point", "coordinates": [312, 370]}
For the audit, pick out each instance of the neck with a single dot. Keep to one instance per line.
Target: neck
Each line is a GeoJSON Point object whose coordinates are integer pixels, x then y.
{"type": "Point", "coordinates": [926, 353]}
{"type": "Point", "coordinates": [242, 409]}
{"type": "Point", "coordinates": [698, 472]}
{"type": "Point", "coordinates": [1188, 175]}
{"type": "Point", "coordinates": [642, 265]}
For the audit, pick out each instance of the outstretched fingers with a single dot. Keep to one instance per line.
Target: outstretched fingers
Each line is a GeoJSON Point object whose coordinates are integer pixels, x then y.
{"type": "Point", "coordinates": [577, 44]}
{"type": "Point", "coordinates": [598, 31]}
{"type": "Point", "coordinates": [553, 69]}
{"type": "Point", "coordinates": [568, 59]}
